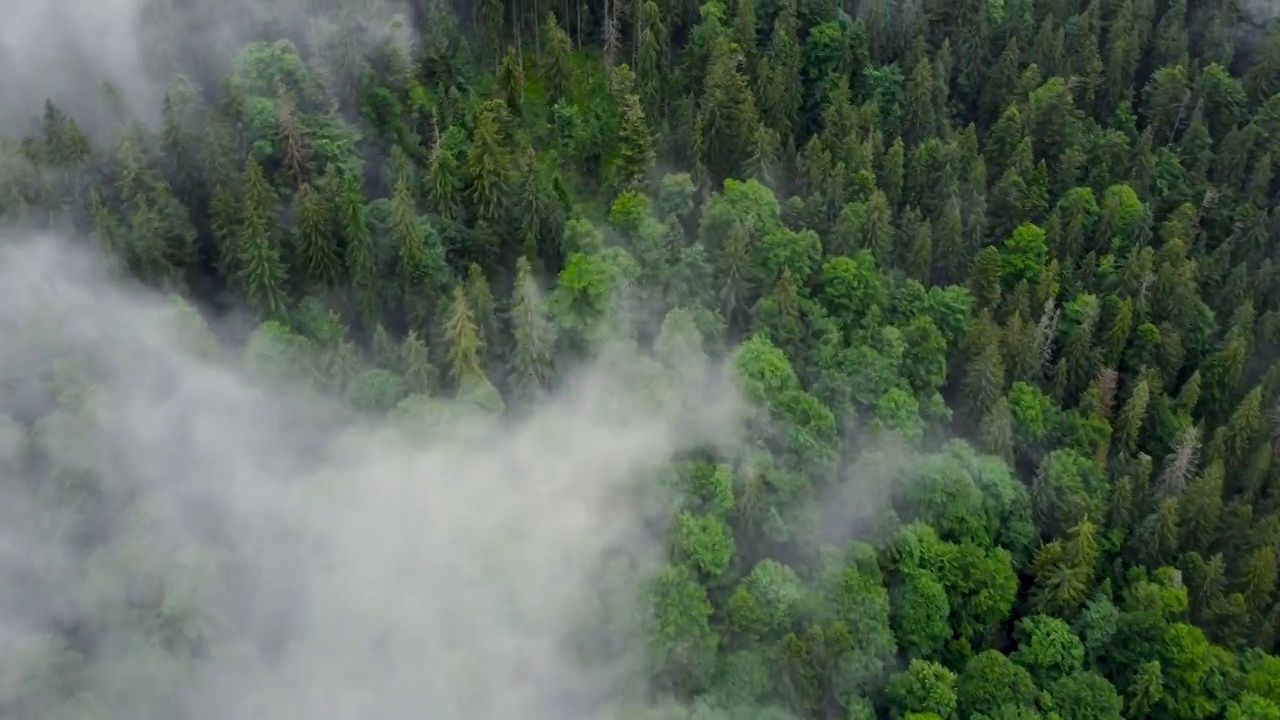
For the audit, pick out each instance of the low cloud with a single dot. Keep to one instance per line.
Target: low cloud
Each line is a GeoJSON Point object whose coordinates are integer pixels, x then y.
{"type": "Point", "coordinates": [103, 60]}
{"type": "Point", "coordinates": [178, 539]}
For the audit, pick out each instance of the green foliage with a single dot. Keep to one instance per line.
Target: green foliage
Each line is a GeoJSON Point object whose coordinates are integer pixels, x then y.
{"type": "Point", "coordinates": [375, 390]}
{"type": "Point", "coordinates": [924, 688]}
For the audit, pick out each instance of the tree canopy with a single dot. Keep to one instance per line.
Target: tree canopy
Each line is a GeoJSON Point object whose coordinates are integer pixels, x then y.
{"type": "Point", "coordinates": [994, 277]}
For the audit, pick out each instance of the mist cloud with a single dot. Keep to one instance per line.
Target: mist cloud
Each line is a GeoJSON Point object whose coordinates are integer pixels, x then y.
{"type": "Point", "coordinates": [66, 50]}
{"type": "Point", "coordinates": [335, 570]}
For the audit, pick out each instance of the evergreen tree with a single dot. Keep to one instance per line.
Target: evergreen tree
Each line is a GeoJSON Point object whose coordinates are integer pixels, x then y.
{"type": "Point", "coordinates": [533, 335]}
{"type": "Point", "coordinates": [463, 337]}
{"type": "Point", "coordinates": [262, 272]}
{"type": "Point", "coordinates": [317, 252]}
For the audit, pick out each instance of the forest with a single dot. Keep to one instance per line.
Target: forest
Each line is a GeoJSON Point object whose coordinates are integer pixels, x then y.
{"type": "Point", "coordinates": [994, 276]}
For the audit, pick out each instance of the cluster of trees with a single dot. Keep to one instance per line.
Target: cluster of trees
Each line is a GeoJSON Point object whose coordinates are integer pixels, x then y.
{"type": "Point", "coordinates": [1001, 269]}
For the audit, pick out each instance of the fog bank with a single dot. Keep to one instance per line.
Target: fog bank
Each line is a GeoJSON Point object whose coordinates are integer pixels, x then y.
{"type": "Point", "coordinates": [304, 568]}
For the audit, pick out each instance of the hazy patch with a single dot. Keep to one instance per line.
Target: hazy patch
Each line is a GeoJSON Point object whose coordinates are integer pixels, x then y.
{"type": "Point", "coordinates": [355, 573]}
{"type": "Point", "coordinates": [66, 50]}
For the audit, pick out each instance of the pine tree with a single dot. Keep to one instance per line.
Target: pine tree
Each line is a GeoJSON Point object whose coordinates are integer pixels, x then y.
{"type": "Point", "coordinates": [180, 123]}
{"type": "Point", "coordinates": [635, 155]}
{"type": "Point", "coordinates": [745, 29]}
{"type": "Point", "coordinates": [726, 113]}
{"type": "Point", "coordinates": [1133, 415]}
{"type": "Point", "coordinates": [408, 234]}
{"type": "Point", "coordinates": [262, 272]}
{"type": "Point", "coordinates": [463, 337]}
{"type": "Point", "coordinates": [488, 162]}
{"type": "Point", "coordinates": [225, 219]}
{"type": "Point", "coordinates": [510, 81]}
{"type": "Point", "coordinates": [557, 61]}
{"type": "Point", "coordinates": [415, 360]}
{"type": "Point", "coordinates": [876, 232]}
{"type": "Point", "coordinates": [919, 250]}
{"type": "Point", "coordinates": [984, 278]}
{"type": "Point", "coordinates": [778, 314]}
{"type": "Point", "coordinates": [1201, 508]}
{"type": "Point", "coordinates": [361, 257]}
{"type": "Point", "coordinates": [996, 431]}
{"type": "Point", "coordinates": [734, 268]}
{"type": "Point", "coordinates": [920, 117]}
{"type": "Point", "coordinates": [485, 311]}
{"type": "Point", "coordinates": [295, 155]}
{"type": "Point", "coordinates": [317, 252]}
{"type": "Point", "coordinates": [107, 231]}
{"type": "Point", "coordinates": [444, 180]}
{"type": "Point", "coordinates": [780, 87]}
{"type": "Point", "coordinates": [534, 337]}
{"type": "Point", "coordinates": [651, 58]}
{"type": "Point", "coordinates": [384, 351]}
{"type": "Point", "coordinates": [1236, 439]}
{"type": "Point", "coordinates": [983, 381]}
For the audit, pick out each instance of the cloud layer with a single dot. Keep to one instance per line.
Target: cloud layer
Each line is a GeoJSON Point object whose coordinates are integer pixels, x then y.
{"type": "Point", "coordinates": [339, 570]}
